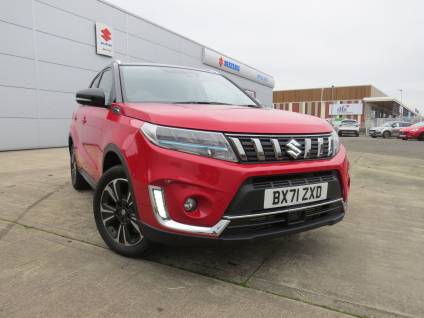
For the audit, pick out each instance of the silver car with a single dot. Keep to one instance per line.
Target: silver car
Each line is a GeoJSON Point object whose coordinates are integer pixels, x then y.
{"type": "Point", "coordinates": [349, 127]}
{"type": "Point", "coordinates": [389, 129]}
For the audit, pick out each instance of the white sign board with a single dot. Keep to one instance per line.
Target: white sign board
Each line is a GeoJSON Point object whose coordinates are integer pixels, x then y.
{"type": "Point", "coordinates": [346, 109]}
{"type": "Point", "coordinates": [104, 39]}
{"type": "Point", "coordinates": [224, 63]}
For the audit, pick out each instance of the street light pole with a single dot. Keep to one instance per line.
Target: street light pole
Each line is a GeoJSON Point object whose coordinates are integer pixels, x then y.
{"type": "Point", "coordinates": [401, 100]}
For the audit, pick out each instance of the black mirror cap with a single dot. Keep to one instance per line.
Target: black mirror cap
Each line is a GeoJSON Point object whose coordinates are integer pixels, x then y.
{"type": "Point", "coordinates": [91, 97]}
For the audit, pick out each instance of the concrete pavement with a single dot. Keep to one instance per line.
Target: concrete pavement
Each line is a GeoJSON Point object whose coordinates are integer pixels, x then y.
{"type": "Point", "coordinates": [370, 264]}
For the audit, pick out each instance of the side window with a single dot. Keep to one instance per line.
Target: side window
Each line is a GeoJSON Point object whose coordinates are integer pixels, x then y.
{"type": "Point", "coordinates": [106, 83]}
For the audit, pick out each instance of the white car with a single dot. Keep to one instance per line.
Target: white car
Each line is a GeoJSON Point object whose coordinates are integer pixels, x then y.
{"type": "Point", "coordinates": [348, 127]}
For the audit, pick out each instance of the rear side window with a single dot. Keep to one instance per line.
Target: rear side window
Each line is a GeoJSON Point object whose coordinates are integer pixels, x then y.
{"type": "Point", "coordinates": [106, 83]}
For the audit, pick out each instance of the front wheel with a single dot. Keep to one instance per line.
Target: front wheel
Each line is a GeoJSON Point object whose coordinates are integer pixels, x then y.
{"type": "Point", "coordinates": [116, 214]}
{"type": "Point", "coordinates": [421, 137]}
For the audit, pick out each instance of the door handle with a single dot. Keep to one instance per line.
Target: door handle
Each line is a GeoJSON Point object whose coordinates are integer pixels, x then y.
{"type": "Point", "coordinates": [84, 120]}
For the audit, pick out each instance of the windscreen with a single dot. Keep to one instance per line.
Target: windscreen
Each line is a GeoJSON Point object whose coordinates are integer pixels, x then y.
{"type": "Point", "coordinates": [177, 85]}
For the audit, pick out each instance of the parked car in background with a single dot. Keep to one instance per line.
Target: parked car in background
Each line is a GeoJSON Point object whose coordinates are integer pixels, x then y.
{"type": "Point", "coordinates": [349, 127]}
{"type": "Point", "coordinates": [387, 130]}
{"type": "Point", "coordinates": [416, 131]}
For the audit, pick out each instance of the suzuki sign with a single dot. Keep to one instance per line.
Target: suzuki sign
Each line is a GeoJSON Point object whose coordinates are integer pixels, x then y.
{"type": "Point", "coordinates": [104, 39]}
{"type": "Point", "coordinates": [346, 109]}
{"type": "Point", "coordinates": [224, 63]}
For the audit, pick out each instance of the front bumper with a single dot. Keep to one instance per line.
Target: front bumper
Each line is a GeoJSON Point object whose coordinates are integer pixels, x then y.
{"type": "Point", "coordinates": [215, 184]}
{"type": "Point", "coordinates": [408, 134]}
{"type": "Point", "coordinates": [374, 133]}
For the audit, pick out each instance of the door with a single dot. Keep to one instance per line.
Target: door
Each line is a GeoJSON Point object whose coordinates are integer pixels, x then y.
{"type": "Point", "coordinates": [95, 118]}
{"type": "Point", "coordinates": [80, 119]}
{"type": "Point", "coordinates": [395, 129]}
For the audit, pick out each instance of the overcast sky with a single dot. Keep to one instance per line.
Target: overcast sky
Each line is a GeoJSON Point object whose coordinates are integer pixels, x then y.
{"type": "Point", "coordinates": [308, 43]}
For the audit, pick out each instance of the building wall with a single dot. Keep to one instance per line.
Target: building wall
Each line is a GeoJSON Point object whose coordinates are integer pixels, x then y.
{"type": "Point", "coordinates": [47, 53]}
{"type": "Point", "coordinates": [326, 93]}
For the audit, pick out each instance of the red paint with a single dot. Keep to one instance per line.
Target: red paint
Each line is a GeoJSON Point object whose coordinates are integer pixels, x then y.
{"type": "Point", "coordinates": [412, 132]}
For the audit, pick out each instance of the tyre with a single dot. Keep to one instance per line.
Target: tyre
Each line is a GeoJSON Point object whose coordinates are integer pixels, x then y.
{"type": "Point", "coordinates": [357, 134]}
{"type": "Point", "coordinates": [78, 181]}
{"type": "Point", "coordinates": [421, 137]}
{"type": "Point", "coordinates": [373, 136]}
{"type": "Point", "coordinates": [386, 134]}
{"type": "Point", "coordinates": [116, 214]}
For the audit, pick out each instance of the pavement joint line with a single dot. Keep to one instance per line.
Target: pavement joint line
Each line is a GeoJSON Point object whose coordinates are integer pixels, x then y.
{"type": "Point", "coordinates": [243, 284]}
{"type": "Point", "coordinates": [264, 260]}
{"type": "Point", "coordinates": [355, 161]}
{"type": "Point", "coordinates": [367, 307]}
{"type": "Point", "coordinates": [4, 232]}
{"type": "Point", "coordinates": [32, 227]}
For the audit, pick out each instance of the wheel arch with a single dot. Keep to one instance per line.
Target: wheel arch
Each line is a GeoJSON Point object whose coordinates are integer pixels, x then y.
{"type": "Point", "coordinates": [113, 156]}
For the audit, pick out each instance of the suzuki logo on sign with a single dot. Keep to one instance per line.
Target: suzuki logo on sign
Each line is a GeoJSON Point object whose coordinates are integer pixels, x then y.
{"type": "Point", "coordinates": [104, 39]}
{"type": "Point", "coordinates": [294, 147]}
{"type": "Point", "coordinates": [223, 63]}
{"type": "Point", "coordinates": [228, 64]}
{"type": "Point", "coordinates": [106, 35]}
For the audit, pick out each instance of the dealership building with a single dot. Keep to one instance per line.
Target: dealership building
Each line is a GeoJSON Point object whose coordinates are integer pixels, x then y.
{"type": "Point", "coordinates": [363, 103]}
{"type": "Point", "coordinates": [52, 48]}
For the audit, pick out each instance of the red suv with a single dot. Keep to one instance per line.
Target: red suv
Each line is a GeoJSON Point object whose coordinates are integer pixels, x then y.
{"type": "Point", "coordinates": [175, 153]}
{"type": "Point", "coordinates": [416, 131]}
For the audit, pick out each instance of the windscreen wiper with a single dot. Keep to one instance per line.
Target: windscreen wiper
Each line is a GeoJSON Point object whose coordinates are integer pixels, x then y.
{"type": "Point", "coordinates": [252, 105]}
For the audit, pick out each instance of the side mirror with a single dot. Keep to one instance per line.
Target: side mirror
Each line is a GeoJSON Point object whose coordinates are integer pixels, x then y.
{"type": "Point", "coordinates": [91, 97]}
{"type": "Point", "coordinates": [394, 125]}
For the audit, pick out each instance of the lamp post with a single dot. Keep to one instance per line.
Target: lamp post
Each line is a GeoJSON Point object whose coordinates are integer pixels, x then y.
{"type": "Point", "coordinates": [401, 101]}
{"type": "Point", "coordinates": [401, 96]}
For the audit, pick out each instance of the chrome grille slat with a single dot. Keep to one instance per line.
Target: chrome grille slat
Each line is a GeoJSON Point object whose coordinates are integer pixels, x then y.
{"type": "Point", "coordinates": [263, 148]}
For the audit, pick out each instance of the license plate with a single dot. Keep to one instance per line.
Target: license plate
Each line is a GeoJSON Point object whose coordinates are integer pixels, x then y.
{"type": "Point", "coordinates": [280, 197]}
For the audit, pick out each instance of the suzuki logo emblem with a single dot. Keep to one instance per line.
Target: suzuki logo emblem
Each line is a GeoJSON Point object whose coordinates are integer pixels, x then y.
{"type": "Point", "coordinates": [294, 148]}
{"type": "Point", "coordinates": [106, 34]}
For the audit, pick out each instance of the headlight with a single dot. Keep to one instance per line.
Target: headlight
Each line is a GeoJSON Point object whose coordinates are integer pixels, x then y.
{"type": "Point", "coordinates": [202, 143]}
{"type": "Point", "coordinates": [336, 142]}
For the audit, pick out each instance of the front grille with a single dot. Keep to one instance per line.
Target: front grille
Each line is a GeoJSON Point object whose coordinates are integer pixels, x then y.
{"type": "Point", "coordinates": [293, 180]}
{"type": "Point", "coordinates": [264, 148]}
{"type": "Point", "coordinates": [290, 221]}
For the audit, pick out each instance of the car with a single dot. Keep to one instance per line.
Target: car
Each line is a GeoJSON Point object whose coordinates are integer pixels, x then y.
{"type": "Point", "coordinates": [179, 155]}
{"type": "Point", "coordinates": [415, 131]}
{"type": "Point", "coordinates": [388, 129]}
{"type": "Point", "coordinates": [349, 127]}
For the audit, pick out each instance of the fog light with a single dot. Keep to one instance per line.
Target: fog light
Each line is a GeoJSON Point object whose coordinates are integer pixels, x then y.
{"type": "Point", "coordinates": [190, 205]}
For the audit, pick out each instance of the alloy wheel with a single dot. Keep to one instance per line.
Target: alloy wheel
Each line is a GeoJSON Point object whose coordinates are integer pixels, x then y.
{"type": "Point", "coordinates": [118, 213]}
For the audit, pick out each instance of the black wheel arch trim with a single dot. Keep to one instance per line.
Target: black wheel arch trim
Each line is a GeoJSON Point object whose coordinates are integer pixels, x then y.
{"type": "Point", "coordinates": [112, 148]}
